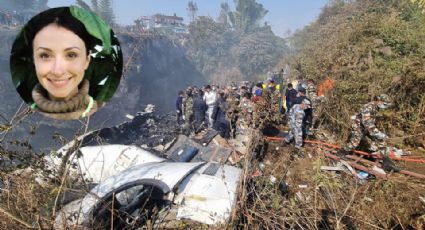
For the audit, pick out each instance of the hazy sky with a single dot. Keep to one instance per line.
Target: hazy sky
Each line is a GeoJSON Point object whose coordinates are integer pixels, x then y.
{"type": "Point", "coordinates": [283, 14]}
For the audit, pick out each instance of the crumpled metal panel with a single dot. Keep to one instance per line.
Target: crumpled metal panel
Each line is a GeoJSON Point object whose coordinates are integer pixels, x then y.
{"type": "Point", "coordinates": [208, 198]}
{"type": "Point", "coordinates": [165, 175]}
{"type": "Point", "coordinates": [100, 162]}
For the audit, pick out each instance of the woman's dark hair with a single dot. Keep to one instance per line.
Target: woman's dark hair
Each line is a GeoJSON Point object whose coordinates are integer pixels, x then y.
{"type": "Point", "coordinates": [62, 17]}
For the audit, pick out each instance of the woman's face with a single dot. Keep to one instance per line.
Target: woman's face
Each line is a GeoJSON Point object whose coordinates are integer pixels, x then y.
{"type": "Point", "coordinates": [60, 61]}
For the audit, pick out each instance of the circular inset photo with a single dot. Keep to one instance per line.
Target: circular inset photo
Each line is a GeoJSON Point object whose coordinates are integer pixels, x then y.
{"type": "Point", "coordinates": [66, 62]}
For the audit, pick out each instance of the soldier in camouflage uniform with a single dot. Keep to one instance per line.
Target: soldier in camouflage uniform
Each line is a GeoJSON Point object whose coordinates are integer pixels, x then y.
{"type": "Point", "coordinates": [295, 123]}
{"type": "Point", "coordinates": [311, 93]}
{"type": "Point", "coordinates": [274, 98]}
{"type": "Point", "coordinates": [232, 111]}
{"type": "Point", "coordinates": [363, 125]}
{"type": "Point", "coordinates": [187, 108]}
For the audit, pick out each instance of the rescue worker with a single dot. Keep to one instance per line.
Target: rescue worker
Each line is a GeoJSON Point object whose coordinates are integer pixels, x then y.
{"type": "Point", "coordinates": [257, 94]}
{"type": "Point", "coordinates": [179, 102]}
{"type": "Point", "coordinates": [210, 97]}
{"type": "Point", "coordinates": [187, 110]}
{"type": "Point", "coordinates": [290, 95]}
{"type": "Point", "coordinates": [311, 93]}
{"type": "Point", "coordinates": [221, 124]}
{"type": "Point", "coordinates": [295, 123]}
{"type": "Point", "coordinates": [363, 125]}
{"type": "Point", "coordinates": [246, 110]}
{"type": "Point", "coordinates": [273, 97]}
{"type": "Point", "coordinates": [199, 110]}
{"type": "Point", "coordinates": [232, 111]}
{"type": "Point", "coordinates": [307, 120]}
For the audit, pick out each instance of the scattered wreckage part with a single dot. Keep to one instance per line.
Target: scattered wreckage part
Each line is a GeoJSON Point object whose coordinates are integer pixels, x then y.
{"type": "Point", "coordinates": [359, 167]}
{"type": "Point", "coordinates": [163, 175]}
{"type": "Point", "coordinates": [183, 153]}
{"type": "Point", "coordinates": [348, 166]}
{"type": "Point", "coordinates": [332, 168]}
{"type": "Point", "coordinates": [215, 151]}
{"type": "Point", "coordinates": [406, 172]}
{"type": "Point", "coordinates": [209, 194]}
{"type": "Point", "coordinates": [406, 159]}
{"type": "Point", "coordinates": [409, 173]}
{"type": "Point", "coordinates": [206, 138]}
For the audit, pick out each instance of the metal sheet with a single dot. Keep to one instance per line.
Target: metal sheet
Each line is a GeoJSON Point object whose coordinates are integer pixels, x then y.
{"type": "Point", "coordinates": [165, 175]}
{"type": "Point", "coordinates": [209, 199]}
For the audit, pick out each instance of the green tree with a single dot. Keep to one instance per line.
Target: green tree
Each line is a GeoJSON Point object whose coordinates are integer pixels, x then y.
{"type": "Point", "coordinates": [192, 10]}
{"type": "Point", "coordinates": [248, 15]}
{"type": "Point", "coordinates": [368, 47]}
{"type": "Point", "coordinates": [222, 53]}
{"type": "Point", "coordinates": [259, 52]}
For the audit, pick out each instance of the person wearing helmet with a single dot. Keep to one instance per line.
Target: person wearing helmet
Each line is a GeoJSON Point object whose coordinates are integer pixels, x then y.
{"type": "Point", "coordinates": [363, 125]}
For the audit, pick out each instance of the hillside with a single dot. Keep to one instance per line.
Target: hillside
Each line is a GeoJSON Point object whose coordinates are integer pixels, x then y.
{"type": "Point", "coordinates": [368, 47]}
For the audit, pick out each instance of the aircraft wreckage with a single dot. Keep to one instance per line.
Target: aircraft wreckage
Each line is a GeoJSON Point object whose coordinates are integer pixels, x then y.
{"type": "Point", "coordinates": [143, 167]}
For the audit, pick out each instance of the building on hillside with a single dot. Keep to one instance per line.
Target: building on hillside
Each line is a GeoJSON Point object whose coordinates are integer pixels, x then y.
{"type": "Point", "coordinates": [165, 20]}
{"type": "Point", "coordinates": [162, 23]}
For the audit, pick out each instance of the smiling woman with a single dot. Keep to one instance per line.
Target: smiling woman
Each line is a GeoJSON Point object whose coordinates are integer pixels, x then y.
{"type": "Point", "coordinates": [66, 62]}
{"type": "Point", "coordinates": [60, 61]}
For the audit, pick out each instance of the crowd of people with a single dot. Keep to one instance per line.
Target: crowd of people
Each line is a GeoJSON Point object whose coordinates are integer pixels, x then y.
{"type": "Point", "coordinates": [233, 110]}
